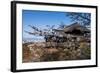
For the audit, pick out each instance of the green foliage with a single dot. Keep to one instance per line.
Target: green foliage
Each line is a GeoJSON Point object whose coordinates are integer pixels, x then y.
{"type": "Point", "coordinates": [85, 50]}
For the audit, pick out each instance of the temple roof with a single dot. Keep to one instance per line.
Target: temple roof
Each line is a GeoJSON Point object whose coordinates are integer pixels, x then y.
{"type": "Point", "coordinates": [73, 27]}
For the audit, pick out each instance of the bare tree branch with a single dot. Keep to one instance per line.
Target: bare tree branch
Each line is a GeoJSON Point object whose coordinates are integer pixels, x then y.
{"type": "Point", "coordinates": [83, 18]}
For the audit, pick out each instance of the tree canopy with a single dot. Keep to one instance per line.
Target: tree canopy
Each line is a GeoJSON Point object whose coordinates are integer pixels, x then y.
{"type": "Point", "coordinates": [82, 18]}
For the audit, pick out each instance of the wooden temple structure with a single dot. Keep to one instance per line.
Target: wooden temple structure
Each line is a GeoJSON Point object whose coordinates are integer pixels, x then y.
{"type": "Point", "coordinates": [68, 36]}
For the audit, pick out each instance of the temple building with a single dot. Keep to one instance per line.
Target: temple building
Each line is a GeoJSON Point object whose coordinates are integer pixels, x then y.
{"type": "Point", "coordinates": [70, 34]}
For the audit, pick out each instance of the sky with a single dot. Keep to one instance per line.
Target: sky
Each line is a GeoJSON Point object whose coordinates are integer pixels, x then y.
{"type": "Point", "coordinates": [41, 19]}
